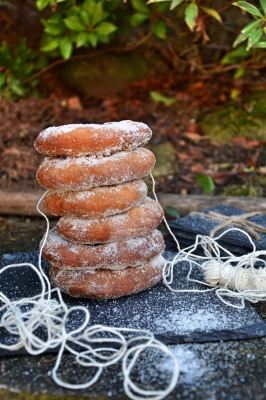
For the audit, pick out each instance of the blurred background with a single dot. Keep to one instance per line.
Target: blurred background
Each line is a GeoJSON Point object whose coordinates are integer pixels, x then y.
{"type": "Point", "coordinates": [194, 71]}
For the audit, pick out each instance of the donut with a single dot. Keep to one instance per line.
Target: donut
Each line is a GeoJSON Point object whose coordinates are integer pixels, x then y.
{"type": "Point", "coordinates": [98, 202]}
{"type": "Point", "coordinates": [138, 221]}
{"type": "Point", "coordinates": [84, 173]}
{"type": "Point", "coordinates": [92, 139]}
{"type": "Point", "coordinates": [116, 256]}
{"type": "Point", "coordinates": [106, 284]}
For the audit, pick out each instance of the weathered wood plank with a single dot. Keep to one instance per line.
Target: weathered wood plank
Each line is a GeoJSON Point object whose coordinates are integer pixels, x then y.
{"type": "Point", "coordinates": [20, 203]}
{"type": "Point", "coordinates": [24, 203]}
{"type": "Point", "coordinates": [186, 204]}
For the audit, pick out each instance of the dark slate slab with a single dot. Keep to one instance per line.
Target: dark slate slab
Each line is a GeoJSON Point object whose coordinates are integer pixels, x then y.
{"type": "Point", "coordinates": [174, 318]}
{"type": "Point", "coordinates": [185, 229]}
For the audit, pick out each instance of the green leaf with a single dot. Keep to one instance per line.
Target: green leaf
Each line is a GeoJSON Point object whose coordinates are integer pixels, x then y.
{"type": "Point", "coordinates": [74, 23]}
{"type": "Point", "coordinates": [82, 38]}
{"type": "Point", "coordinates": [140, 5]}
{"type": "Point", "coordinates": [175, 3]}
{"type": "Point", "coordinates": [162, 6]}
{"type": "Point", "coordinates": [51, 44]}
{"type": "Point", "coordinates": [55, 18]}
{"type": "Point", "coordinates": [53, 29]}
{"type": "Point", "coordinates": [260, 45]}
{"type": "Point", "coordinates": [263, 5]}
{"type": "Point", "coordinates": [236, 55]}
{"type": "Point", "coordinates": [16, 86]}
{"type": "Point", "coordinates": [160, 29]}
{"type": "Point", "coordinates": [239, 73]}
{"type": "Point", "coordinates": [5, 50]}
{"type": "Point", "coordinates": [245, 32]}
{"type": "Point", "coordinates": [41, 4]}
{"type": "Point", "coordinates": [160, 98]}
{"type": "Point", "coordinates": [254, 38]}
{"type": "Point", "coordinates": [213, 13]}
{"type": "Point", "coordinates": [249, 8]}
{"type": "Point", "coordinates": [105, 28]}
{"type": "Point", "coordinates": [98, 14]}
{"type": "Point", "coordinates": [65, 47]}
{"type": "Point", "coordinates": [191, 14]}
{"type": "Point", "coordinates": [2, 79]}
{"type": "Point", "coordinates": [206, 182]}
{"type": "Point", "coordinates": [41, 62]}
{"type": "Point", "coordinates": [85, 16]}
{"type": "Point", "coordinates": [172, 211]}
{"type": "Point", "coordinates": [93, 39]}
{"type": "Point", "coordinates": [138, 18]}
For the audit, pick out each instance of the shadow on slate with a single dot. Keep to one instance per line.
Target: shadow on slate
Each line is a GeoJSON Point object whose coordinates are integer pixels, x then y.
{"type": "Point", "coordinates": [187, 228]}
{"type": "Point", "coordinates": [173, 318]}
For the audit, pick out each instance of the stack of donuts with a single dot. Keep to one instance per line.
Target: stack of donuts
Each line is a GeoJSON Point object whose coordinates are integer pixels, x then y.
{"type": "Point", "coordinates": [105, 245]}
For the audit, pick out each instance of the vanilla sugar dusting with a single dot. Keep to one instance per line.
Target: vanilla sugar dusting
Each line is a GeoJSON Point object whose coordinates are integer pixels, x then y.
{"type": "Point", "coordinates": [126, 126]}
{"type": "Point", "coordinates": [100, 285]}
{"type": "Point", "coordinates": [83, 173]}
{"type": "Point", "coordinates": [101, 202]}
{"type": "Point", "coordinates": [117, 255]}
{"type": "Point", "coordinates": [139, 220]}
{"type": "Point", "coordinates": [123, 135]}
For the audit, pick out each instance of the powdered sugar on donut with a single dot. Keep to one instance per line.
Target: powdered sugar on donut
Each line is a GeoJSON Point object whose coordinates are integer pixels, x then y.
{"type": "Point", "coordinates": [139, 220]}
{"type": "Point", "coordinates": [103, 285]}
{"type": "Point", "coordinates": [98, 202]}
{"type": "Point", "coordinates": [92, 139]}
{"type": "Point", "coordinates": [116, 256]}
{"type": "Point", "coordinates": [87, 172]}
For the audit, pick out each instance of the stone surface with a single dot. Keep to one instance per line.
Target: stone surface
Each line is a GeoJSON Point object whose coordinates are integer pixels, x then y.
{"type": "Point", "coordinates": [248, 120]}
{"type": "Point", "coordinates": [165, 154]}
{"type": "Point", "coordinates": [109, 73]}
{"type": "Point", "coordinates": [220, 370]}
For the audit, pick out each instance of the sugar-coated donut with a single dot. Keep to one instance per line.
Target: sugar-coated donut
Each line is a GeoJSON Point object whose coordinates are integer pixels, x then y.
{"type": "Point", "coordinates": [84, 173]}
{"type": "Point", "coordinates": [138, 221]}
{"type": "Point", "coordinates": [116, 256]}
{"type": "Point", "coordinates": [92, 139]}
{"type": "Point", "coordinates": [105, 284]}
{"type": "Point", "coordinates": [98, 202]}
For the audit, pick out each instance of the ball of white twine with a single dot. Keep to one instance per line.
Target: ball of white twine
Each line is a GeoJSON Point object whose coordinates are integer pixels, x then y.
{"type": "Point", "coordinates": [94, 346]}
{"type": "Point", "coordinates": [242, 277]}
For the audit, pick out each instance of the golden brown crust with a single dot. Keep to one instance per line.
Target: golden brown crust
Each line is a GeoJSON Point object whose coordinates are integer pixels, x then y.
{"type": "Point", "coordinates": [105, 284]}
{"type": "Point", "coordinates": [97, 202]}
{"type": "Point", "coordinates": [87, 139]}
{"type": "Point", "coordinates": [84, 173]}
{"type": "Point", "coordinates": [118, 255]}
{"type": "Point", "coordinates": [140, 220]}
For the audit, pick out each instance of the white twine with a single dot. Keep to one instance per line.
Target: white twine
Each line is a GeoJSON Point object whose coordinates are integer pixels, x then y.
{"type": "Point", "coordinates": [228, 275]}
{"type": "Point", "coordinates": [238, 277]}
{"type": "Point", "coordinates": [94, 346]}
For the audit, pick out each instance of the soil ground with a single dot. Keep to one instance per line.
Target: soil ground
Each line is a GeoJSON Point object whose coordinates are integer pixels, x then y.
{"type": "Point", "coordinates": [237, 162]}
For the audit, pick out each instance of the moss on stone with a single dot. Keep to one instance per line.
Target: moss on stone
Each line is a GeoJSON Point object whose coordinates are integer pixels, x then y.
{"type": "Point", "coordinates": [109, 73]}
{"type": "Point", "coordinates": [247, 120]}
{"type": "Point", "coordinates": [165, 154]}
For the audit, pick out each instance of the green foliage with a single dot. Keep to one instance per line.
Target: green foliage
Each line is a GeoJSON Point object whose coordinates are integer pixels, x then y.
{"type": "Point", "coordinates": [77, 24]}
{"type": "Point", "coordinates": [73, 25]}
{"type": "Point", "coordinates": [172, 211]}
{"type": "Point", "coordinates": [254, 31]}
{"type": "Point", "coordinates": [206, 182]}
{"type": "Point", "coordinates": [237, 55]}
{"type": "Point", "coordinates": [17, 68]}
{"type": "Point", "coordinates": [160, 98]}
